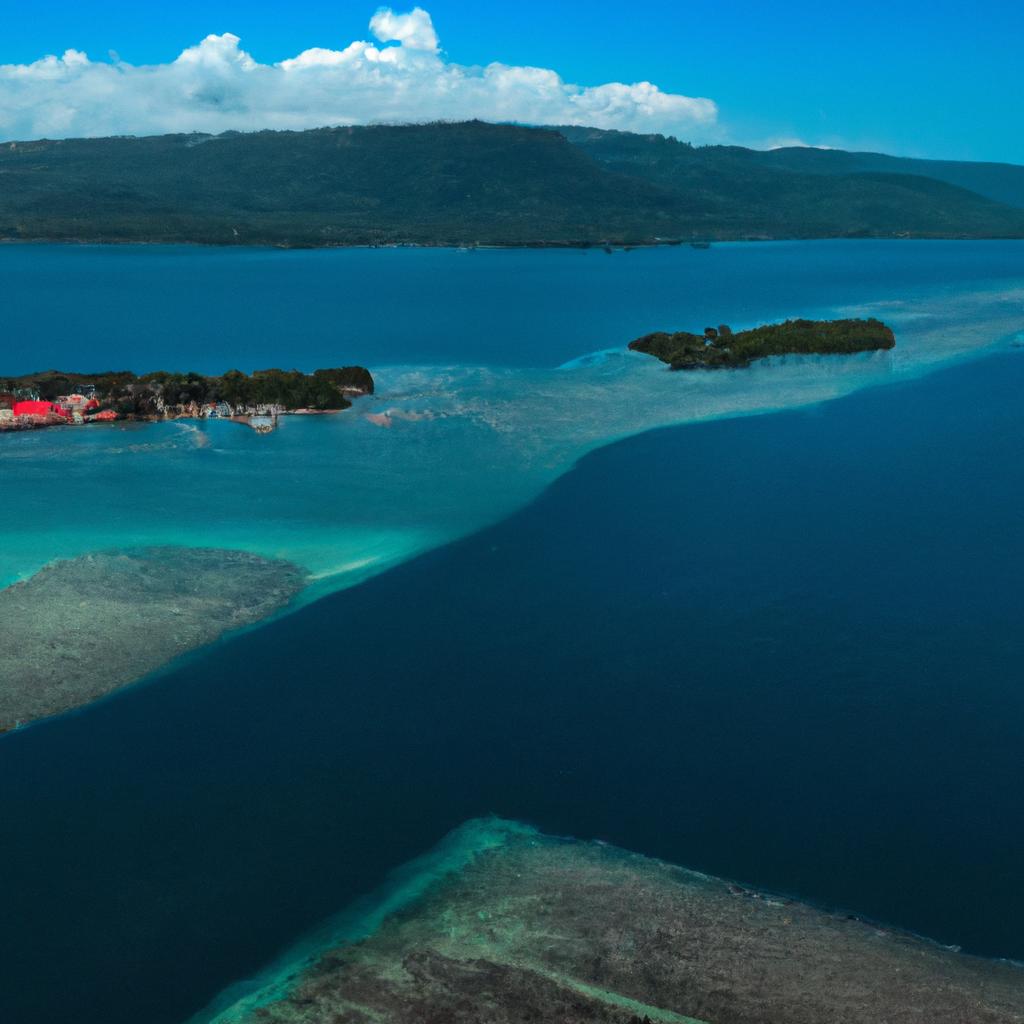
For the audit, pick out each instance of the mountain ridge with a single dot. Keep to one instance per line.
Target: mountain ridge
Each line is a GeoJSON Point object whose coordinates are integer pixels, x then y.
{"type": "Point", "coordinates": [461, 183]}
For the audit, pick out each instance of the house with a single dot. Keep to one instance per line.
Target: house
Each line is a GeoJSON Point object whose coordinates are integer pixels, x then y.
{"type": "Point", "coordinates": [35, 407]}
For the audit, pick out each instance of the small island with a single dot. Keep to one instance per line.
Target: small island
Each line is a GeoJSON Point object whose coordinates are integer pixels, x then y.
{"type": "Point", "coordinates": [56, 398]}
{"type": "Point", "coordinates": [721, 348]}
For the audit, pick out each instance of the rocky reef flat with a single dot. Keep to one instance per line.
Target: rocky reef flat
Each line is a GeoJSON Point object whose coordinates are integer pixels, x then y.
{"type": "Point", "coordinates": [533, 928]}
{"type": "Point", "coordinates": [83, 627]}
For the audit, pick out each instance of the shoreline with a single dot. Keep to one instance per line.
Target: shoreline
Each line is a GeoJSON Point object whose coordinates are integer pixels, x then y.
{"type": "Point", "coordinates": [244, 419]}
{"type": "Point", "coordinates": [561, 245]}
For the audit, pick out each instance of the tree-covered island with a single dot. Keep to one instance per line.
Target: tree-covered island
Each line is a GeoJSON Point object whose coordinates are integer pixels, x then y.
{"type": "Point", "coordinates": [719, 347]}
{"type": "Point", "coordinates": [53, 397]}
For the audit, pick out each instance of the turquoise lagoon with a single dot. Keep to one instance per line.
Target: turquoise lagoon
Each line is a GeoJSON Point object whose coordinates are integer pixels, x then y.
{"type": "Point", "coordinates": [444, 447]}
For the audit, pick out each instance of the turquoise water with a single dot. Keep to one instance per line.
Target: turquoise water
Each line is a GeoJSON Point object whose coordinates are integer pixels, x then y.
{"type": "Point", "coordinates": [781, 648]}
{"type": "Point", "coordinates": [450, 446]}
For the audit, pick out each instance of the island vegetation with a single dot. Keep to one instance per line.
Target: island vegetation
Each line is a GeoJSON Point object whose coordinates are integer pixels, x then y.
{"type": "Point", "coordinates": [721, 347]}
{"type": "Point", "coordinates": [55, 397]}
{"type": "Point", "coordinates": [474, 183]}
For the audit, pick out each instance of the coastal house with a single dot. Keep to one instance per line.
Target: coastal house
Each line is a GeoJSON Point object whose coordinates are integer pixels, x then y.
{"type": "Point", "coordinates": [36, 407]}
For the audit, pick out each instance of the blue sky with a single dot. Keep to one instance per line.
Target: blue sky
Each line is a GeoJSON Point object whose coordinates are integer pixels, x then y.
{"type": "Point", "coordinates": [939, 79]}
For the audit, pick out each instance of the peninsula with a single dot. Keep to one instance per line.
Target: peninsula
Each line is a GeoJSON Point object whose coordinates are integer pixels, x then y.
{"type": "Point", "coordinates": [52, 397]}
{"type": "Point", "coordinates": [720, 347]}
{"type": "Point", "coordinates": [538, 928]}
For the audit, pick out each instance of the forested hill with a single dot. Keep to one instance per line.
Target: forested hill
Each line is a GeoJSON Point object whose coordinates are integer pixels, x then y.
{"type": "Point", "coordinates": [1001, 182]}
{"type": "Point", "coordinates": [452, 184]}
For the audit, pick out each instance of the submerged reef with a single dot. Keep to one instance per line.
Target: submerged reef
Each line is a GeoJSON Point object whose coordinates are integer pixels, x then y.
{"type": "Point", "coordinates": [531, 927]}
{"type": "Point", "coordinates": [719, 347]}
{"type": "Point", "coordinates": [82, 627]}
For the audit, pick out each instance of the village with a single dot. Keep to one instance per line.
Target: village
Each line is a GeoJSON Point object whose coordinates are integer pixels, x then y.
{"type": "Point", "coordinates": [25, 409]}
{"type": "Point", "coordinates": [55, 399]}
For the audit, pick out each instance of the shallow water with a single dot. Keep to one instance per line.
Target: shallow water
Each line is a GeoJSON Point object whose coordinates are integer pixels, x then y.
{"type": "Point", "coordinates": [467, 444]}
{"type": "Point", "coordinates": [780, 648]}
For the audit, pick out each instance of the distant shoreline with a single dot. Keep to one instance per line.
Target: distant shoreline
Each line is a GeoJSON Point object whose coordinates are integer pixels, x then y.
{"type": "Point", "coordinates": [580, 246]}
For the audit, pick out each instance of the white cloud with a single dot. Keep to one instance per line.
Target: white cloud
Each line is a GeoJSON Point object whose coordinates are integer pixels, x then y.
{"type": "Point", "coordinates": [215, 86]}
{"type": "Point", "coordinates": [415, 30]}
{"type": "Point", "coordinates": [788, 142]}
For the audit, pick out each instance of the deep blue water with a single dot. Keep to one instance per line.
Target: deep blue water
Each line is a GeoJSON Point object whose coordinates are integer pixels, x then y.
{"type": "Point", "coordinates": [784, 648]}
{"type": "Point", "coordinates": [181, 307]}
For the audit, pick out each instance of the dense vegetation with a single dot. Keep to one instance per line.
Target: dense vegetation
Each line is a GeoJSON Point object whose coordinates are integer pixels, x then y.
{"type": "Point", "coordinates": [150, 394]}
{"type": "Point", "coordinates": [462, 183]}
{"type": "Point", "coordinates": [719, 347]}
{"type": "Point", "coordinates": [803, 192]}
{"type": "Point", "coordinates": [1002, 182]}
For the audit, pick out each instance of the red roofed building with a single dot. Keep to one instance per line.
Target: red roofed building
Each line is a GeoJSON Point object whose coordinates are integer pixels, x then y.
{"type": "Point", "coordinates": [35, 409]}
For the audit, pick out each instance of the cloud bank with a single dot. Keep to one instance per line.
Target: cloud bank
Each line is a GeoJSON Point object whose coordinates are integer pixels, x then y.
{"type": "Point", "coordinates": [215, 86]}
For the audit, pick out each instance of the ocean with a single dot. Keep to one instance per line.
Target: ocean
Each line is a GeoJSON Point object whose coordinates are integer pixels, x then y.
{"type": "Point", "coordinates": [776, 638]}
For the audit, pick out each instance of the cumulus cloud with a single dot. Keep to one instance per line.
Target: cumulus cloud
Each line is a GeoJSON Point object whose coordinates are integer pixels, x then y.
{"type": "Point", "coordinates": [415, 30]}
{"type": "Point", "coordinates": [788, 142]}
{"type": "Point", "coordinates": [403, 76]}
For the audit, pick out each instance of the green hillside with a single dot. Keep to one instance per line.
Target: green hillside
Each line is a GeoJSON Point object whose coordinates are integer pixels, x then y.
{"type": "Point", "coordinates": [1001, 182]}
{"type": "Point", "coordinates": [456, 184]}
{"type": "Point", "coordinates": [848, 177]}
